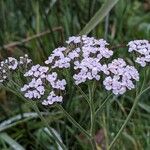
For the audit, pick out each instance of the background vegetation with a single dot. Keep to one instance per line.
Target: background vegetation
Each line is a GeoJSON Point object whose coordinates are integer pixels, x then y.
{"type": "Point", "coordinates": [37, 27]}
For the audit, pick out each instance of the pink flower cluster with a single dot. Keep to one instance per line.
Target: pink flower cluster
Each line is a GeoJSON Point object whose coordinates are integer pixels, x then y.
{"type": "Point", "coordinates": [58, 58]}
{"type": "Point", "coordinates": [120, 77]}
{"type": "Point", "coordinates": [142, 49]}
{"type": "Point", "coordinates": [37, 71]}
{"type": "Point", "coordinates": [85, 54]}
{"type": "Point", "coordinates": [52, 98]}
{"type": "Point", "coordinates": [89, 66]}
{"type": "Point", "coordinates": [43, 82]}
{"type": "Point", "coordinates": [87, 57]}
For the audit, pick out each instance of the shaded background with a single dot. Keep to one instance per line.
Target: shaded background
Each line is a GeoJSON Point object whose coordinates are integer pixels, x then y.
{"type": "Point", "coordinates": [36, 27]}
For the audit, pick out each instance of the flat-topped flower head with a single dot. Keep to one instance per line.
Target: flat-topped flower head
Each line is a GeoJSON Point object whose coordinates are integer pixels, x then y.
{"type": "Point", "coordinates": [121, 77]}
{"type": "Point", "coordinates": [78, 48]}
{"type": "Point", "coordinates": [52, 98]}
{"type": "Point", "coordinates": [142, 50]}
{"type": "Point", "coordinates": [40, 83]}
{"type": "Point", "coordinates": [74, 40]}
{"type": "Point", "coordinates": [58, 59]}
{"type": "Point", "coordinates": [6, 67]}
{"type": "Point", "coordinates": [10, 65]}
{"type": "Point", "coordinates": [37, 71]}
{"type": "Point", "coordinates": [87, 61]}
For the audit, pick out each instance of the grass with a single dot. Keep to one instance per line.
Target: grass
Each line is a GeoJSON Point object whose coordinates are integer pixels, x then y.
{"type": "Point", "coordinates": [20, 20]}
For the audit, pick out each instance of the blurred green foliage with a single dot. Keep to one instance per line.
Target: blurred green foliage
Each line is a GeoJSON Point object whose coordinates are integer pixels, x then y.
{"type": "Point", "coordinates": [22, 19]}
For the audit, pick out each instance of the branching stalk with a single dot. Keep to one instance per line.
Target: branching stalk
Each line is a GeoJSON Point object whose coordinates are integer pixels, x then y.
{"type": "Point", "coordinates": [128, 117]}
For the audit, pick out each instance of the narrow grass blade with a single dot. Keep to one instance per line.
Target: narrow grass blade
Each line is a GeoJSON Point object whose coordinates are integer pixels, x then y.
{"type": "Point", "coordinates": [99, 16]}
{"type": "Point", "coordinates": [144, 107]}
{"type": "Point", "coordinates": [11, 142]}
{"type": "Point", "coordinates": [57, 134]}
{"type": "Point", "coordinates": [17, 119]}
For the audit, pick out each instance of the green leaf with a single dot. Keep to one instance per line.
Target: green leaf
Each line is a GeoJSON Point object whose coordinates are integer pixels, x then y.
{"type": "Point", "coordinates": [145, 107]}
{"type": "Point", "coordinates": [43, 134]}
{"type": "Point", "coordinates": [11, 142]}
{"type": "Point", "coordinates": [17, 119]}
{"type": "Point", "coordinates": [99, 16]}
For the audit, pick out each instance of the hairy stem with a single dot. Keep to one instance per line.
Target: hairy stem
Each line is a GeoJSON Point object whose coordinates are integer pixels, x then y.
{"type": "Point", "coordinates": [92, 112]}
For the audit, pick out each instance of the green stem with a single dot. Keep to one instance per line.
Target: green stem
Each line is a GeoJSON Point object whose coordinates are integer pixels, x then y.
{"type": "Point", "coordinates": [103, 104]}
{"type": "Point", "coordinates": [92, 119]}
{"type": "Point", "coordinates": [77, 125]}
{"type": "Point", "coordinates": [74, 122]}
{"type": "Point", "coordinates": [92, 113]}
{"type": "Point", "coordinates": [84, 95]}
{"type": "Point", "coordinates": [92, 108]}
{"type": "Point", "coordinates": [32, 104]}
{"type": "Point", "coordinates": [47, 125]}
{"type": "Point", "coordinates": [128, 117]}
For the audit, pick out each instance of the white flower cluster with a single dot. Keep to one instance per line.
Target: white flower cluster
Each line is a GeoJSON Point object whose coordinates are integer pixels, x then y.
{"type": "Point", "coordinates": [120, 77]}
{"type": "Point", "coordinates": [52, 98]}
{"type": "Point", "coordinates": [142, 48]}
{"type": "Point", "coordinates": [55, 82]}
{"type": "Point", "coordinates": [90, 64]}
{"type": "Point", "coordinates": [87, 57]}
{"type": "Point", "coordinates": [58, 58]}
{"type": "Point", "coordinates": [37, 71]}
{"type": "Point", "coordinates": [4, 68]}
{"type": "Point", "coordinates": [11, 64]}
{"type": "Point", "coordinates": [40, 79]}
{"type": "Point", "coordinates": [86, 54]}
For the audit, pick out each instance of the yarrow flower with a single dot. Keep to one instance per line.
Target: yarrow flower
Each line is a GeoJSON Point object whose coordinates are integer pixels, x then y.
{"type": "Point", "coordinates": [121, 77]}
{"type": "Point", "coordinates": [87, 57]}
{"type": "Point", "coordinates": [89, 65]}
{"type": "Point", "coordinates": [85, 54]}
{"type": "Point", "coordinates": [41, 83]}
{"type": "Point", "coordinates": [142, 49]}
{"type": "Point", "coordinates": [10, 64]}
{"type": "Point", "coordinates": [58, 59]}
{"type": "Point", "coordinates": [52, 98]}
{"type": "Point", "coordinates": [37, 71]}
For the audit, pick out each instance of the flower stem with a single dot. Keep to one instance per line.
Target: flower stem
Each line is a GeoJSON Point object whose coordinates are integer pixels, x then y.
{"type": "Point", "coordinates": [73, 121]}
{"type": "Point", "coordinates": [92, 108]}
{"type": "Point", "coordinates": [103, 104]}
{"type": "Point", "coordinates": [128, 117]}
{"type": "Point", "coordinates": [33, 104]}
{"type": "Point", "coordinates": [91, 139]}
{"type": "Point", "coordinates": [92, 113]}
{"type": "Point", "coordinates": [48, 127]}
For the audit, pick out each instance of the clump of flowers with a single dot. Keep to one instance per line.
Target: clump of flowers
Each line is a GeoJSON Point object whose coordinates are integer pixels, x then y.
{"type": "Point", "coordinates": [85, 54]}
{"type": "Point", "coordinates": [121, 77]}
{"type": "Point", "coordinates": [87, 57]}
{"type": "Point", "coordinates": [43, 85]}
{"type": "Point", "coordinates": [142, 49]}
{"type": "Point", "coordinates": [11, 64]}
{"type": "Point", "coordinates": [58, 59]}
{"type": "Point", "coordinates": [89, 66]}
